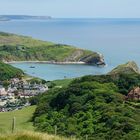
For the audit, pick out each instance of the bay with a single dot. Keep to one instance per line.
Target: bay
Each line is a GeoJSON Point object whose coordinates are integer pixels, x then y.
{"type": "Point", "coordinates": [117, 39]}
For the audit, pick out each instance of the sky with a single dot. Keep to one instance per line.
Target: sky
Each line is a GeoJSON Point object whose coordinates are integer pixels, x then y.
{"type": "Point", "coordinates": [73, 8]}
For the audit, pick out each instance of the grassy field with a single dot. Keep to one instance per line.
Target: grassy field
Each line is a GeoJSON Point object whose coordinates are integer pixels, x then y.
{"type": "Point", "coordinates": [24, 128]}
{"type": "Point", "coordinates": [22, 119]}
{"type": "Point", "coordinates": [63, 82]}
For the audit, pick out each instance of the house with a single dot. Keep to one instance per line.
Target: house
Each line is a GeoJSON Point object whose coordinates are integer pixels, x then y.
{"type": "Point", "coordinates": [2, 91]}
{"type": "Point", "coordinates": [134, 94]}
{"type": "Point", "coordinates": [11, 90]}
{"type": "Point", "coordinates": [2, 109]}
{"type": "Point", "coordinates": [14, 81]}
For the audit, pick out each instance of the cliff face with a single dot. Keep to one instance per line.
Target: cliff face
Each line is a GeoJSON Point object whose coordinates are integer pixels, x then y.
{"type": "Point", "coordinates": [20, 48]}
{"type": "Point", "coordinates": [94, 58]}
{"type": "Point", "coordinates": [91, 58]}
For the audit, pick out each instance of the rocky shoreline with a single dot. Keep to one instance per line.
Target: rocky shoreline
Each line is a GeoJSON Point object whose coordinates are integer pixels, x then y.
{"type": "Point", "coordinates": [45, 62]}
{"type": "Point", "coordinates": [56, 63]}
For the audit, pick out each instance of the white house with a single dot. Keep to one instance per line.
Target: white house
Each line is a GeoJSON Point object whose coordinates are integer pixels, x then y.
{"type": "Point", "coordinates": [2, 91]}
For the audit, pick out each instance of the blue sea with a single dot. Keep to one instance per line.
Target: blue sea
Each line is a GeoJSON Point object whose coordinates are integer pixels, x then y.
{"type": "Point", "coordinates": [117, 39]}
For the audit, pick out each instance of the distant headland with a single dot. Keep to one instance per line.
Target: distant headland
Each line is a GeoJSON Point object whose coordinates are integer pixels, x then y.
{"type": "Point", "coordinates": [23, 17]}
{"type": "Point", "coordinates": [26, 49]}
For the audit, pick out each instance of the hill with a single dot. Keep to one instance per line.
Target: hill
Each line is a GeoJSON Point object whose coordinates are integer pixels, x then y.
{"type": "Point", "coordinates": [20, 48]}
{"type": "Point", "coordinates": [92, 106]}
{"type": "Point", "coordinates": [128, 68]}
{"type": "Point", "coordinates": [24, 126]}
{"type": "Point", "coordinates": [7, 72]}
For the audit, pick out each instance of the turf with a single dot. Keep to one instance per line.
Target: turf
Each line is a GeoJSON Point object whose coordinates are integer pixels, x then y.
{"type": "Point", "coordinates": [23, 118]}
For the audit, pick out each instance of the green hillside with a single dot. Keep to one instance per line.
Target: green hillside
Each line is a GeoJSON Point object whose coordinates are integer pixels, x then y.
{"type": "Point", "coordinates": [128, 68]}
{"type": "Point", "coordinates": [24, 127]}
{"type": "Point", "coordinates": [20, 48]}
{"type": "Point", "coordinates": [92, 106]}
{"type": "Point", "coordinates": [7, 72]}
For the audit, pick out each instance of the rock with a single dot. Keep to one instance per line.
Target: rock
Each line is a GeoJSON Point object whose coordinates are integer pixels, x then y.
{"type": "Point", "coordinates": [94, 59]}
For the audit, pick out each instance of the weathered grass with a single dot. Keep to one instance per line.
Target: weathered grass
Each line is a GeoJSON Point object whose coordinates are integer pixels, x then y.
{"type": "Point", "coordinates": [32, 136]}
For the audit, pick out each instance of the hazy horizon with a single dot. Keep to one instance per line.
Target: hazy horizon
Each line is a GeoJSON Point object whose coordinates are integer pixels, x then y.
{"type": "Point", "coordinates": [72, 17]}
{"type": "Point", "coordinates": [73, 9]}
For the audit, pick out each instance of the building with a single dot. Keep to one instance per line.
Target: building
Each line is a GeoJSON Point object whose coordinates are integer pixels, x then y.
{"type": "Point", "coordinates": [2, 91]}
{"type": "Point", "coordinates": [134, 94]}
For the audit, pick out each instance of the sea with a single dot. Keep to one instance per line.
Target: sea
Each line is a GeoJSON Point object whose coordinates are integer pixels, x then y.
{"type": "Point", "coordinates": [117, 39]}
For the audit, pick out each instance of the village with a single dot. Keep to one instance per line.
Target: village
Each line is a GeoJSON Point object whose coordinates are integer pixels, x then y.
{"type": "Point", "coordinates": [15, 96]}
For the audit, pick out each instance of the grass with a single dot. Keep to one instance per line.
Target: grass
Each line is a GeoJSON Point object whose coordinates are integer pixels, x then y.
{"type": "Point", "coordinates": [63, 82]}
{"type": "Point", "coordinates": [22, 119]}
{"type": "Point", "coordinates": [31, 136]}
{"type": "Point", "coordinates": [130, 68]}
{"type": "Point", "coordinates": [7, 72]}
{"type": "Point", "coordinates": [24, 128]}
{"type": "Point", "coordinates": [20, 48]}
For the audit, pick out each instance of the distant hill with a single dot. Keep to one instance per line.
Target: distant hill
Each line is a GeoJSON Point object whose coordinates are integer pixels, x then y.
{"type": "Point", "coordinates": [23, 17]}
{"type": "Point", "coordinates": [129, 68]}
{"type": "Point", "coordinates": [21, 48]}
{"type": "Point", "coordinates": [7, 72]}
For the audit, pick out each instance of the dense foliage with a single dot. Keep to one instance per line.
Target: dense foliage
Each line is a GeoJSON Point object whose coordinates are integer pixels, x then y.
{"type": "Point", "coordinates": [91, 106]}
{"type": "Point", "coordinates": [124, 82]}
{"type": "Point", "coordinates": [7, 72]}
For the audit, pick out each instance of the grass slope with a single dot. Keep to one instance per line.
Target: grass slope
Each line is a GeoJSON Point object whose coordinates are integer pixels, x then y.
{"type": "Point", "coordinates": [21, 48]}
{"type": "Point", "coordinates": [24, 128]}
{"type": "Point", "coordinates": [63, 82]}
{"type": "Point", "coordinates": [129, 68]}
{"type": "Point", "coordinates": [22, 119]}
{"type": "Point", "coordinates": [7, 72]}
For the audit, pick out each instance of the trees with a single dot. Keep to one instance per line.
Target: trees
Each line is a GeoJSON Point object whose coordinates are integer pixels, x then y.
{"type": "Point", "coordinates": [91, 106]}
{"type": "Point", "coordinates": [86, 107]}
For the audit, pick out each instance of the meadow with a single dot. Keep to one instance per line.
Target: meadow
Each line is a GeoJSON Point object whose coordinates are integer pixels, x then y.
{"type": "Point", "coordinates": [23, 120]}
{"type": "Point", "coordinates": [24, 129]}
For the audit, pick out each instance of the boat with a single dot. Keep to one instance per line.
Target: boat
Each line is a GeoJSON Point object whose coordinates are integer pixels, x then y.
{"type": "Point", "coordinates": [32, 66]}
